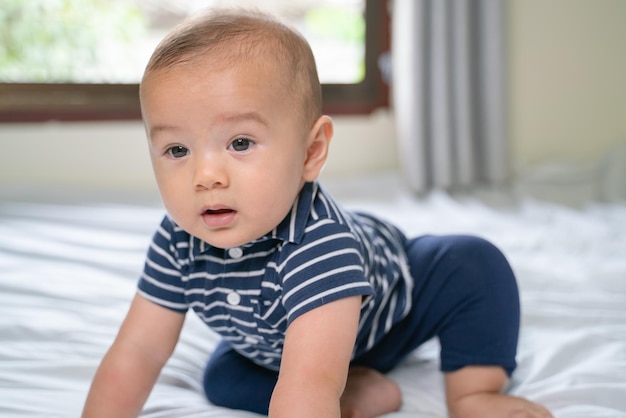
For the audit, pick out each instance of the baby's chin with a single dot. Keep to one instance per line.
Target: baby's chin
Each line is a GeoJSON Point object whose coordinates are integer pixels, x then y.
{"type": "Point", "coordinates": [225, 238]}
{"type": "Point", "coordinates": [235, 233]}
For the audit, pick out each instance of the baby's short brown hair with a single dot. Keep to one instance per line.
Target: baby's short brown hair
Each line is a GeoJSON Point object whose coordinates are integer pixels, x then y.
{"type": "Point", "coordinates": [242, 37]}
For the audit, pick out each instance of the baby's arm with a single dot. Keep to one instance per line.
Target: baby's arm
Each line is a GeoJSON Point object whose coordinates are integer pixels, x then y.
{"type": "Point", "coordinates": [475, 391]}
{"type": "Point", "coordinates": [315, 361]}
{"type": "Point", "coordinates": [131, 366]}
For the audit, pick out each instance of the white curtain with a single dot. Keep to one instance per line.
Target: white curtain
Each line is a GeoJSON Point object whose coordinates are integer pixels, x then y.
{"type": "Point", "coordinates": [448, 92]}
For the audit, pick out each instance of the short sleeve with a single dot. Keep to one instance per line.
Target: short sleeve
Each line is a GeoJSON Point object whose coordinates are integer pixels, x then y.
{"type": "Point", "coordinates": [326, 267]}
{"type": "Point", "coordinates": [161, 281]}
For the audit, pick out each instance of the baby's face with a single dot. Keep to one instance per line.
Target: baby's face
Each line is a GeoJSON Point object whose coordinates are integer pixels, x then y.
{"type": "Point", "coordinates": [228, 150]}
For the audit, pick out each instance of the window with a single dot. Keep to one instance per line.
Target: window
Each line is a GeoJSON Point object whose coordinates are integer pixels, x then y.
{"type": "Point", "coordinates": [51, 68]}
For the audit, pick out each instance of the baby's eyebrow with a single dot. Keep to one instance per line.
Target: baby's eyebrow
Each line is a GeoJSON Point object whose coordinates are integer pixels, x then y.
{"type": "Point", "coordinates": [230, 118]}
{"type": "Point", "coordinates": [161, 128]}
{"type": "Point", "coordinates": [253, 116]}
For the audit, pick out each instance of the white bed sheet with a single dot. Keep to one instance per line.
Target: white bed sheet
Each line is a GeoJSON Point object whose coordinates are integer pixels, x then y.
{"type": "Point", "coordinates": [68, 272]}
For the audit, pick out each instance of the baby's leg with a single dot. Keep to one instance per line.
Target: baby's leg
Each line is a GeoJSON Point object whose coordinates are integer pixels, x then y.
{"type": "Point", "coordinates": [233, 381]}
{"type": "Point", "coordinates": [475, 303]}
{"type": "Point", "coordinates": [475, 391]}
{"type": "Point", "coordinates": [369, 394]}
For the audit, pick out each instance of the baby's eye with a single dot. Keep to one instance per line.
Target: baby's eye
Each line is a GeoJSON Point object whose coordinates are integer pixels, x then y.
{"type": "Point", "coordinates": [241, 144]}
{"type": "Point", "coordinates": [177, 151]}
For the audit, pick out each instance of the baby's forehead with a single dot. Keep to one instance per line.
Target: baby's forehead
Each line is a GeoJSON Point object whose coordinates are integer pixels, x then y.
{"type": "Point", "coordinates": [244, 79]}
{"type": "Point", "coordinates": [269, 53]}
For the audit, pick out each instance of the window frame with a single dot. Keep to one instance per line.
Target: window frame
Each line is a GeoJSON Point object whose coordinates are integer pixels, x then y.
{"type": "Point", "coordinates": [40, 102]}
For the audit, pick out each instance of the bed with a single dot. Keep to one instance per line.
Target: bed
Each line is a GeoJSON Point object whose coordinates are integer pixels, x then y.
{"type": "Point", "coordinates": [68, 269]}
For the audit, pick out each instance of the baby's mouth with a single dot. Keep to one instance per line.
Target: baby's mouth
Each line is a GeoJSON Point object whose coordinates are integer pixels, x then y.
{"type": "Point", "coordinates": [220, 217]}
{"type": "Point", "coordinates": [218, 211]}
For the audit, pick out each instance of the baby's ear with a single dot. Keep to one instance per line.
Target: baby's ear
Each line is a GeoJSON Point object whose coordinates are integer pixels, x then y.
{"type": "Point", "coordinates": [318, 143]}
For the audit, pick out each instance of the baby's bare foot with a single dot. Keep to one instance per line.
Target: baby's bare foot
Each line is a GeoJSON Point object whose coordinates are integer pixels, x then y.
{"type": "Point", "coordinates": [369, 394]}
{"type": "Point", "coordinates": [498, 406]}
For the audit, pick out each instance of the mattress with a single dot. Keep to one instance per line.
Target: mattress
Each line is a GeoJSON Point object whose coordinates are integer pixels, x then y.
{"type": "Point", "coordinates": [68, 272]}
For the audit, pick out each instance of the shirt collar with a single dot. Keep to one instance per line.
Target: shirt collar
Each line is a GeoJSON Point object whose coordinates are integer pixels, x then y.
{"type": "Point", "coordinates": [292, 228]}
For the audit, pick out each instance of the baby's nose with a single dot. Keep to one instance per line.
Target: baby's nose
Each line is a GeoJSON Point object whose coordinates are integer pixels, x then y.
{"type": "Point", "coordinates": [210, 174]}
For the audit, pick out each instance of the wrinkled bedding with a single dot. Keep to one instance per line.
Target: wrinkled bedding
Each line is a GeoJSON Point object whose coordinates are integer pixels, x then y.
{"type": "Point", "coordinates": [68, 273]}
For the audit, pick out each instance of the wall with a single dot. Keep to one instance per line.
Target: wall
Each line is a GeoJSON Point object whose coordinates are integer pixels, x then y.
{"type": "Point", "coordinates": [567, 95]}
{"type": "Point", "coordinates": [567, 79]}
{"type": "Point", "coordinates": [114, 156]}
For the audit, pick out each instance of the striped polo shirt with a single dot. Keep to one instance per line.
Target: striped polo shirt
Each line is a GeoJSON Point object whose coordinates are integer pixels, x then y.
{"type": "Point", "coordinates": [250, 294]}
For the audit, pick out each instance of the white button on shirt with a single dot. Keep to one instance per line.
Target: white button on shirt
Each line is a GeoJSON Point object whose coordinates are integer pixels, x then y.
{"type": "Point", "coordinates": [235, 252]}
{"type": "Point", "coordinates": [233, 298]}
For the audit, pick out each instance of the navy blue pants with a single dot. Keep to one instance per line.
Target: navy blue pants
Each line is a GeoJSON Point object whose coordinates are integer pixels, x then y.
{"type": "Point", "coordinates": [465, 294]}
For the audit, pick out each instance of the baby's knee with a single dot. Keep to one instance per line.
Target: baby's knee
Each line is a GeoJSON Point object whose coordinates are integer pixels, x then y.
{"type": "Point", "coordinates": [482, 260]}
{"type": "Point", "coordinates": [215, 390]}
{"type": "Point", "coordinates": [232, 381]}
{"type": "Point", "coordinates": [474, 249]}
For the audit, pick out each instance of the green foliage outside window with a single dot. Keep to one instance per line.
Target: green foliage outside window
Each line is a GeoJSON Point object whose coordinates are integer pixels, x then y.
{"type": "Point", "coordinates": [63, 40]}
{"type": "Point", "coordinates": [109, 41]}
{"type": "Point", "coordinates": [342, 25]}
